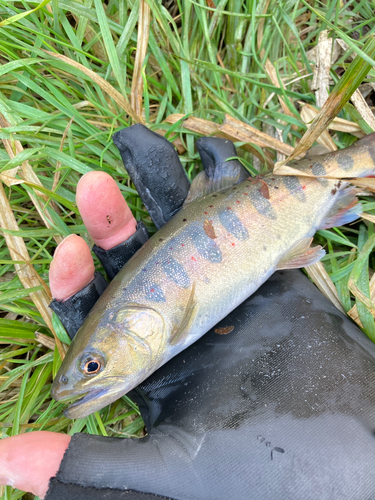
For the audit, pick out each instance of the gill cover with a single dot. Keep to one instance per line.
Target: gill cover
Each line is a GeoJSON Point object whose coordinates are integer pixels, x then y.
{"type": "Point", "coordinates": [125, 347]}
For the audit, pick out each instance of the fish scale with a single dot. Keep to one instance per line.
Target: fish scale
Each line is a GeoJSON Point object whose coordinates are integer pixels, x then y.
{"type": "Point", "coordinates": [184, 280]}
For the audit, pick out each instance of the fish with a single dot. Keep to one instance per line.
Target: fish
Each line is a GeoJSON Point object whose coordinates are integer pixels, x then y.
{"type": "Point", "coordinates": [211, 256]}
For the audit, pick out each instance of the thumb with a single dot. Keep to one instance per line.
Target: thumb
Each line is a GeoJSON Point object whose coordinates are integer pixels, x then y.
{"type": "Point", "coordinates": [28, 461]}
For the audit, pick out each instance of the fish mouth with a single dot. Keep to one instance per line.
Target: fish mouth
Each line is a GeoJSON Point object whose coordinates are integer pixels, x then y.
{"type": "Point", "coordinates": [92, 401]}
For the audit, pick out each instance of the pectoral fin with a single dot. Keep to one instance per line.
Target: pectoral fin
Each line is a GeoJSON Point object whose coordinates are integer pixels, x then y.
{"type": "Point", "coordinates": [225, 175]}
{"type": "Point", "coordinates": [301, 255]}
{"type": "Point", "coordinates": [182, 329]}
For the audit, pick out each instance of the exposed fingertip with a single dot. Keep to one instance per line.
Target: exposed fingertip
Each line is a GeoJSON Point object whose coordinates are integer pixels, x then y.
{"type": "Point", "coordinates": [72, 267]}
{"type": "Point", "coordinates": [104, 210]}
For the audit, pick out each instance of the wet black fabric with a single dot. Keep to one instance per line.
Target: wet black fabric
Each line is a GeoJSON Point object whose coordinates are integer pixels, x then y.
{"type": "Point", "coordinates": [114, 259]}
{"type": "Point", "coordinates": [214, 152]}
{"type": "Point", "coordinates": [62, 491]}
{"type": "Point", "coordinates": [281, 407]}
{"type": "Point", "coordinates": [154, 167]}
{"type": "Point", "coordinates": [73, 311]}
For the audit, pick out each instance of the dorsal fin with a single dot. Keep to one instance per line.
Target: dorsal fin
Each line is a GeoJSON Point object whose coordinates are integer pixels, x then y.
{"type": "Point", "coordinates": [181, 330]}
{"type": "Point", "coordinates": [225, 175]}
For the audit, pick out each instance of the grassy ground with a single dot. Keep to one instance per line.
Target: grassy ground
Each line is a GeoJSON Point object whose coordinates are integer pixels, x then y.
{"type": "Point", "coordinates": [73, 72]}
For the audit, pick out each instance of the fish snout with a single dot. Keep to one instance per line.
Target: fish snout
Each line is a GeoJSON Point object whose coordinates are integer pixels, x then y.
{"type": "Point", "coordinates": [60, 387]}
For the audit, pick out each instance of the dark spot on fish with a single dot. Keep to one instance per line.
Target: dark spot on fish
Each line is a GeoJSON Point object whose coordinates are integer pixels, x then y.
{"type": "Point", "coordinates": [214, 196]}
{"type": "Point", "coordinates": [273, 179]}
{"type": "Point", "coordinates": [264, 247]}
{"type": "Point", "coordinates": [294, 187]}
{"type": "Point", "coordinates": [264, 191]}
{"type": "Point", "coordinates": [345, 161]}
{"type": "Point", "coordinates": [184, 220]}
{"type": "Point", "coordinates": [176, 272]}
{"type": "Point", "coordinates": [318, 169]}
{"type": "Point", "coordinates": [276, 187]}
{"type": "Point", "coordinates": [206, 280]}
{"type": "Point", "coordinates": [108, 219]}
{"type": "Point", "coordinates": [262, 205]}
{"type": "Point", "coordinates": [233, 225]}
{"type": "Point", "coordinates": [144, 270]}
{"type": "Point", "coordinates": [211, 206]}
{"type": "Point", "coordinates": [334, 191]}
{"type": "Point", "coordinates": [209, 229]}
{"type": "Point", "coordinates": [155, 293]}
{"type": "Point", "coordinates": [224, 330]}
{"type": "Point", "coordinates": [278, 237]}
{"type": "Point", "coordinates": [339, 184]}
{"type": "Point", "coordinates": [161, 239]}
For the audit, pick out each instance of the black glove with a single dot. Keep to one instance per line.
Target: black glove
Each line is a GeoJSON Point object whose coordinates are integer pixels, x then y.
{"type": "Point", "coordinates": [275, 402]}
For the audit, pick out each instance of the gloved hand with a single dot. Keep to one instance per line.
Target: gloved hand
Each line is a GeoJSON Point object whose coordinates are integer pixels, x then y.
{"type": "Point", "coordinates": [275, 402]}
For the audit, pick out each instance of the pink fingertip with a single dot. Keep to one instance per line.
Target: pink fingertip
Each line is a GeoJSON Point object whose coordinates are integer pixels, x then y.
{"type": "Point", "coordinates": [104, 210]}
{"type": "Point", "coordinates": [72, 267]}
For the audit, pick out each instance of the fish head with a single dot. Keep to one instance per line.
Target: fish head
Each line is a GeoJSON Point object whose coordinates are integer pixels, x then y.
{"type": "Point", "coordinates": [122, 349]}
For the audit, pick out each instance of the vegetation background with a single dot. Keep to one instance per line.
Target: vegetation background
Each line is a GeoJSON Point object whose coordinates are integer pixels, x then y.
{"type": "Point", "coordinates": [75, 71]}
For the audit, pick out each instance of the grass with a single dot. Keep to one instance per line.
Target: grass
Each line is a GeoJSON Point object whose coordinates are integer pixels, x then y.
{"type": "Point", "coordinates": [73, 72]}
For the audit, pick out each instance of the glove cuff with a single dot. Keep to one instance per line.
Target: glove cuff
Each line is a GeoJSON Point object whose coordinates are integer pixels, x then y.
{"type": "Point", "coordinates": [115, 258]}
{"type": "Point", "coordinates": [74, 310]}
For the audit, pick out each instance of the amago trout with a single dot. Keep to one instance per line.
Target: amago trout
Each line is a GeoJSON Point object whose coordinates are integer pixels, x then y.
{"type": "Point", "coordinates": [212, 255]}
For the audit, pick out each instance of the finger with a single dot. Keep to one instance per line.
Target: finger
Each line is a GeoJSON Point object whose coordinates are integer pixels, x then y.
{"type": "Point", "coordinates": [72, 267]}
{"type": "Point", "coordinates": [28, 461]}
{"type": "Point", "coordinates": [104, 210]}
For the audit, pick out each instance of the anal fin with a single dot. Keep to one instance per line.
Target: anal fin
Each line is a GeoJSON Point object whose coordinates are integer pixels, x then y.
{"type": "Point", "coordinates": [301, 255]}
{"type": "Point", "coordinates": [182, 329]}
{"type": "Point", "coordinates": [345, 209]}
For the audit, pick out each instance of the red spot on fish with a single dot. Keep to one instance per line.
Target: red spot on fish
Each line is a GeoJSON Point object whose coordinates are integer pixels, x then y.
{"type": "Point", "coordinates": [372, 176]}
{"type": "Point", "coordinates": [238, 201]}
{"type": "Point", "coordinates": [245, 194]}
{"type": "Point", "coordinates": [211, 206]}
{"type": "Point", "coordinates": [170, 248]}
{"type": "Point", "coordinates": [152, 290]}
{"type": "Point", "coordinates": [182, 245]}
{"type": "Point", "coordinates": [229, 208]}
{"type": "Point", "coordinates": [168, 262]}
{"type": "Point", "coordinates": [206, 213]}
{"type": "Point", "coordinates": [303, 187]}
{"type": "Point", "coordinates": [233, 245]}
{"type": "Point", "coordinates": [194, 259]}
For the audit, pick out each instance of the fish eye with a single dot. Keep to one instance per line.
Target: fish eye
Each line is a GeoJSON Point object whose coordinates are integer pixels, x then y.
{"type": "Point", "coordinates": [92, 366]}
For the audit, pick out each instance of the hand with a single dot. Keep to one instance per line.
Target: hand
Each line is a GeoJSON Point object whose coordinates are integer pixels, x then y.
{"type": "Point", "coordinates": [28, 461]}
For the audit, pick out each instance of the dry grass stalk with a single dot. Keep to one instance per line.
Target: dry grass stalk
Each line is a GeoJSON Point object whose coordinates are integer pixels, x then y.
{"type": "Point", "coordinates": [322, 280]}
{"type": "Point", "coordinates": [353, 313]}
{"type": "Point", "coordinates": [246, 133]}
{"type": "Point", "coordinates": [27, 174]}
{"type": "Point", "coordinates": [26, 273]}
{"type": "Point", "coordinates": [208, 128]}
{"type": "Point", "coordinates": [308, 113]}
{"type": "Point", "coordinates": [45, 340]}
{"type": "Point", "coordinates": [142, 42]}
{"type": "Point", "coordinates": [103, 84]}
{"type": "Point", "coordinates": [363, 108]}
